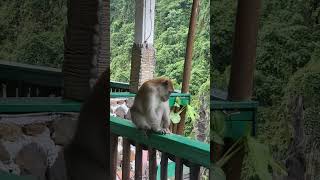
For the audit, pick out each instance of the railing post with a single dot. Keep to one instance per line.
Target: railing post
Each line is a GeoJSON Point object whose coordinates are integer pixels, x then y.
{"type": "Point", "coordinates": [164, 166]}
{"type": "Point", "coordinates": [126, 158]}
{"type": "Point", "coordinates": [152, 164]}
{"type": "Point", "coordinates": [138, 163]}
{"type": "Point", "coordinates": [113, 155]}
{"type": "Point", "coordinates": [178, 169]}
{"type": "Point", "coordinates": [194, 172]}
{"type": "Point", "coordinates": [4, 90]}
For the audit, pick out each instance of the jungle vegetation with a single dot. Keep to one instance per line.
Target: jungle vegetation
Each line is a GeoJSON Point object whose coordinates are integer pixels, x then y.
{"type": "Point", "coordinates": [32, 32]}
{"type": "Point", "coordinates": [287, 67]}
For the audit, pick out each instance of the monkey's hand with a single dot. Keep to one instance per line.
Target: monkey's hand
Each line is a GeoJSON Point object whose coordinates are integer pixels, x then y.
{"type": "Point", "coordinates": [162, 131]}
{"type": "Point", "coordinates": [146, 133]}
{"type": "Point", "coordinates": [168, 131]}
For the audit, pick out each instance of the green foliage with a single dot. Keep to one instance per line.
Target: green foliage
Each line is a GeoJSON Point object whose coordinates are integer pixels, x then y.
{"type": "Point", "coordinates": [217, 173]}
{"type": "Point", "coordinates": [175, 117]}
{"type": "Point", "coordinates": [32, 31]}
{"type": "Point", "coordinates": [190, 112]}
{"type": "Point", "coordinates": [171, 31]}
{"type": "Point", "coordinates": [261, 159]}
{"type": "Point", "coordinates": [258, 156]}
{"type": "Point", "coordinates": [221, 30]}
{"type": "Point", "coordinates": [287, 65]}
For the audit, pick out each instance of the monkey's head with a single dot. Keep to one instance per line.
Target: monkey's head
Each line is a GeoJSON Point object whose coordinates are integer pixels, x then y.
{"type": "Point", "coordinates": [165, 89]}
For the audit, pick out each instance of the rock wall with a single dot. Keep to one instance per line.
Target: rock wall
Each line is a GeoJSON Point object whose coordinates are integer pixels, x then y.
{"type": "Point", "coordinates": [30, 143]}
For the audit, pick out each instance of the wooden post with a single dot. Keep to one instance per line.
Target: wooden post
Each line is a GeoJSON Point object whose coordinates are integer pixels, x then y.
{"type": "Point", "coordinates": [242, 68]}
{"type": "Point", "coordinates": [188, 60]}
{"type": "Point", "coordinates": [244, 50]}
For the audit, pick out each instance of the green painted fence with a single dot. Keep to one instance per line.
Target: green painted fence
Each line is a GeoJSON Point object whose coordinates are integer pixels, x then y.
{"type": "Point", "coordinates": [194, 151]}
{"type": "Point", "coordinates": [240, 116]}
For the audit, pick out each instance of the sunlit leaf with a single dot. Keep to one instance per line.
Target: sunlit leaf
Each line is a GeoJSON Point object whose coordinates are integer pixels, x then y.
{"type": "Point", "coordinates": [175, 118]}
{"type": "Point", "coordinates": [216, 173]}
{"type": "Point", "coordinates": [191, 113]}
{"type": "Point", "coordinates": [176, 104]}
{"type": "Point", "coordinates": [178, 101]}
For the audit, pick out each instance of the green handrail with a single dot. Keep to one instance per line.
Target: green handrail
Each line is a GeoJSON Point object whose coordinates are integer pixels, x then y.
{"type": "Point", "coordinates": [58, 104]}
{"type": "Point", "coordinates": [194, 151]}
{"type": "Point", "coordinates": [32, 74]}
{"type": "Point", "coordinates": [40, 75]}
{"type": "Point", "coordinates": [119, 85]}
{"type": "Point", "coordinates": [239, 116]}
{"type": "Point", "coordinates": [38, 104]}
{"type": "Point", "coordinates": [185, 98]}
{"type": "Point", "coordinates": [225, 105]}
{"type": "Point", "coordinates": [9, 176]}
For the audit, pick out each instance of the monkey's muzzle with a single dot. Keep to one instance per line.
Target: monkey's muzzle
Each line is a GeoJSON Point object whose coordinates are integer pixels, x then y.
{"type": "Point", "coordinates": [166, 98]}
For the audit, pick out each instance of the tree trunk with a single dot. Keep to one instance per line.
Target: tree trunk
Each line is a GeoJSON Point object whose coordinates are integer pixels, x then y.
{"type": "Point", "coordinates": [242, 68]}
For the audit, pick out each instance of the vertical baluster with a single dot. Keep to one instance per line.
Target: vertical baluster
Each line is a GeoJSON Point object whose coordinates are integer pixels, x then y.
{"type": "Point", "coordinates": [164, 166]}
{"type": "Point", "coordinates": [126, 159]}
{"type": "Point", "coordinates": [138, 163]}
{"type": "Point", "coordinates": [178, 169]}
{"type": "Point", "coordinates": [114, 155]}
{"type": "Point", "coordinates": [152, 163]}
{"type": "Point", "coordinates": [20, 89]}
{"type": "Point", "coordinates": [17, 92]}
{"type": "Point", "coordinates": [29, 92]}
{"type": "Point", "coordinates": [4, 90]}
{"type": "Point", "coordinates": [194, 172]}
{"type": "Point", "coordinates": [37, 92]}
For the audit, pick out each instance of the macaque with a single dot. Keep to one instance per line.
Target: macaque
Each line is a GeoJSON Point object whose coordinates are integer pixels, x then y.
{"type": "Point", "coordinates": [150, 110]}
{"type": "Point", "coordinates": [86, 156]}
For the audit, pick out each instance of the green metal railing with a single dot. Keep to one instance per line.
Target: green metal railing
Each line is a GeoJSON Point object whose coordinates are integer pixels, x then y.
{"type": "Point", "coordinates": [8, 176]}
{"type": "Point", "coordinates": [25, 89]}
{"type": "Point", "coordinates": [119, 86]}
{"type": "Point", "coordinates": [24, 80]}
{"type": "Point", "coordinates": [185, 98]}
{"type": "Point", "coordinates": [239, 116]}
{"type": "Point", "coordinates": [191, 150]}
{"type": "Point", "coordinates": [194, 153]}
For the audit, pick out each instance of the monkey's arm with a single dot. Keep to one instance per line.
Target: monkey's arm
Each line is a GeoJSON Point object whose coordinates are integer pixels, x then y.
{"type": "Point", "coordinates": [154, 114]}
{"type": "Point", "coordinates": [166, 117]}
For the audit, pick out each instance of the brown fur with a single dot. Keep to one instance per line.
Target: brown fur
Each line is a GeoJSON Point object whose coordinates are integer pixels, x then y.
{"type": "Point", "coordinates": [150, 110]}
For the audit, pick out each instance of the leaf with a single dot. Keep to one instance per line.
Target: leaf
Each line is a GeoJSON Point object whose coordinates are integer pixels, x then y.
{"type": "Point", "coordinates": [178, 101]}
{"type": "Point", "coordinates": [259, 155]}
{"type": "Point", "coordinates": [218, 123]}
{"type": "Point", "coordinates": [216, 173]}
{"type": "Point", "coordinates": [278, 167]}
{"type": "Point", "coordinates": [176, 104]}
{"type": "Point", "coordinates": [175, 118]}
{"type": "Point", "coordinates": [191, 113]}
{"type": "Point", "coordinates": [217, 138]}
